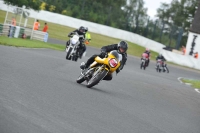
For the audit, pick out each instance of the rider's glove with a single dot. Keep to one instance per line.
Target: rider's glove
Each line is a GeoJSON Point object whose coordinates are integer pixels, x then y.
{"type": "Point", "coordinates": [70, 34]}
{"type": "Point", "coordinates": [103, 53]}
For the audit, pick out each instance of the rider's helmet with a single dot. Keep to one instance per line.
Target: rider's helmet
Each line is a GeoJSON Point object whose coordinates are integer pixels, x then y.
{"type": "Point", "coordinates": [147, 50]}
{"type": "Point", "coordinates": [160, 55]}
{"type": "Point", "coordinates": [82, 29]}
{"type": "Point", "coordinates": [122, 47]}
{"type": "Point", "coordinates": [86, 29]}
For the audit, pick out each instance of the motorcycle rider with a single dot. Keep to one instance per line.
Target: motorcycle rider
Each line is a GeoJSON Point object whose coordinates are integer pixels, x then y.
{"type": "Point", "coordinates": [121, 48]}
{"type": "Point", "coordinates": [81, 33]}
{"type": "Point", "coordinates": [87, 35]}
{"type": "Point", "coordinates": [87, 40]}
{"type": "Point", "coordinates": [162, 58]}
{"type": "Point", "coordinates": [147, 51]}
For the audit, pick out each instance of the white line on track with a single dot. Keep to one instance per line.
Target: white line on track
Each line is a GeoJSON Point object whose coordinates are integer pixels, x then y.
{"type": "Point", "coordinates": [197, 90]}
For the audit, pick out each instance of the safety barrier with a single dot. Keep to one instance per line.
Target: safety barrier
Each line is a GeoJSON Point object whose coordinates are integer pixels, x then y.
{"type": "Point", "coordinates": [39, 35]}
{"type": "Point", "coordinates": [5, 29]}
{"type": "Point", "coordinates": [21, 32]}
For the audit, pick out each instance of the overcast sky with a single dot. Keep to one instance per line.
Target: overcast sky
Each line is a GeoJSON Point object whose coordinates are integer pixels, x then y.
{"type": "Point", "coordinates": [152, 6]}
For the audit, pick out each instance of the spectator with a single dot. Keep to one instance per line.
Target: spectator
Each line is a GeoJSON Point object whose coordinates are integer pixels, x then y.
{"type": "Point", "coordinates": [13, 24]}
{"type": "Point", "coordinates": [13, 21]}
{"type": "Point", "coordinates": [87, 35]}
{"type": "Point", "coordinates": [196, 55]}
{"type": "Point", "coordinates": [45, 27]}
{"type": "Point", "coordinates": [183, 50]}
{"type": "Point", "coordinates": [36, 25]}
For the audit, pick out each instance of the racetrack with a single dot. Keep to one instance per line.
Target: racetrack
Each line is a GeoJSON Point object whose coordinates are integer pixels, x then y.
{"type": "Point", "coordinates": [39, 94]}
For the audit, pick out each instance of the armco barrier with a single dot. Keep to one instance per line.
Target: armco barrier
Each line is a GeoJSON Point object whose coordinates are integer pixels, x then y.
{"type": "Point", "coordinates": [17, 32]}
{"type": "Point", "coordinates": [38, 35]}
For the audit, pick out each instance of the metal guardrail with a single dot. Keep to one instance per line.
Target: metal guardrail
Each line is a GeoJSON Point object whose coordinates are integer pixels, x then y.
{"type": "Point", "coordinates": [38, 35]}
{"type": "Point", "coordinates": [32, 34]}
{"type": "Point", "coordinates": [5, 29]}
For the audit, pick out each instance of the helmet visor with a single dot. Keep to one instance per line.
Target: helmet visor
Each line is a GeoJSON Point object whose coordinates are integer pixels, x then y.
{"type": "Point", "coordinates": [121, 50]}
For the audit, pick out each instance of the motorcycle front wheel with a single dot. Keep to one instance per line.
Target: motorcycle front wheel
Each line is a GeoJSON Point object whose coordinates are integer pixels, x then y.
{"type": "Point", "coordinates": [96, 78]}
{"type": "Point", "coordinates": [80, 79]}
{"type": "Point", "coordinates": [68, 53]}
{"type": "Point", "coordinates": [141, 65]}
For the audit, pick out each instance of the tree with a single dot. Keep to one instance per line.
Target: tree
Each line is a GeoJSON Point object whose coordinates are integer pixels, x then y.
{"type": "Point", "coordinates": [52, 8]}
{"type": "Point", "coordinates": [34, 4]}
{"type": "Point", "coordinates": [136, 14]}
{"type": "Point", "coordinates": [43, 6]}
{"type": "Point", "coordinates": [179, 14]}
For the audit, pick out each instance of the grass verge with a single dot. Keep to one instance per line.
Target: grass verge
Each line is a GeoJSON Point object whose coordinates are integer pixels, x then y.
{"type": "Point", "coordinates": [18, 42]}
{"type": "Point", "coordinates": [194, 83]}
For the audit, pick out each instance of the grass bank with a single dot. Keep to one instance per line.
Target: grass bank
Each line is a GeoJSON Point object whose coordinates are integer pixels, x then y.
{"type": "Point", "coordinates": [194, 83]}
{"type": "Point", "coordinates": [18, 42]}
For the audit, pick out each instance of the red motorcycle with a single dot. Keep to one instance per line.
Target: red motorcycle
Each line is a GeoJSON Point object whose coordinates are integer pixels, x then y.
{"type": "Point", "coordinates": [144, 60]}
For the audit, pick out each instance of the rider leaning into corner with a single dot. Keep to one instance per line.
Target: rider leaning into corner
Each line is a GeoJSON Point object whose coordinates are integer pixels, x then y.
{"type": "Point", "coordinates": [81, 32]}
{"type": "Point", "coordinates": [121, 48]}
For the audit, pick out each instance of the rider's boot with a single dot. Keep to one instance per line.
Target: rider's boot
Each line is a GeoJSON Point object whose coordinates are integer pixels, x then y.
{"type": "Point", "coordinates": [83, 66]}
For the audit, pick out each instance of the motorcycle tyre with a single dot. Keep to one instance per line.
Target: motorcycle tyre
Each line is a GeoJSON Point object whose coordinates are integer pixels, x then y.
{"type": "Point", "coordinates": [141, 65]}
{"type": "Point", "coordinates": [68, 53]}
{"type": "Point", "coordinates": [80, 79]}
{"type": "Point", "coordinates": [97, 78]}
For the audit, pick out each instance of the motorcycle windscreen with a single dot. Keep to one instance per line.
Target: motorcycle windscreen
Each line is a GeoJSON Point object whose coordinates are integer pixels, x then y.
{"type": "Point", "coordinates": [74, 39]}
{"type": "Point", "coordinates": [117, 55]}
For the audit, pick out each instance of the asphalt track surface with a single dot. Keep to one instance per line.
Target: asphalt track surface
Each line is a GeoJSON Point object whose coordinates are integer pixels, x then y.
{"type": "Point", "coordinates": [39, 94]}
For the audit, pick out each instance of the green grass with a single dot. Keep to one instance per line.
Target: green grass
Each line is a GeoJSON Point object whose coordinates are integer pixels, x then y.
{"type": "Point", "coordinates": [195, 83]}
{"type": "Point", "coordinates": [60, 32]}
{"type": "Point", "coordinates": [18, 42]}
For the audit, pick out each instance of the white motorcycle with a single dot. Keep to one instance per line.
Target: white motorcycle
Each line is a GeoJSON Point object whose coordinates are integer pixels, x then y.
{"type": "Point", "coordinates": [161, 66]}
{"type": "Point", "coordinates": [73, 50]}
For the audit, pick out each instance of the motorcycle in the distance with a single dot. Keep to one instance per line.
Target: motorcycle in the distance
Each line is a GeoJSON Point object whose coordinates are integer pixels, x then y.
{"type": "Point", "coordinates": [144, 61]}
{"type": "Point", "coordinates": [100, 68]}
{"type": "Point", "coordinates": [161, 66]}
{"type": "Point", "coordinates": [73, 50]}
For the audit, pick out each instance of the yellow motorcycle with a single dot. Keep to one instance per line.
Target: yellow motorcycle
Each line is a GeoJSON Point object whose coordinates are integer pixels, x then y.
{"type": "Point", "coordinates": [100, 68]}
